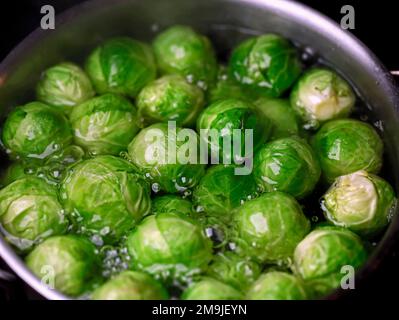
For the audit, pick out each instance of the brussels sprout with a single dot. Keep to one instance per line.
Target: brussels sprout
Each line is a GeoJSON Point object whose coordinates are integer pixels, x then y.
{"type": "Point", "coordinates": [228, 88]}
{"type": "Point", "coordinates": [211, 289]}
{"type": "Point", "coordinates": [180, 50]}
{"type": "Point", "coordinates": [131, 285]}
{"type": "Point", "coordinates": [234, 270]}
{"type": "Point", "coordinates": [172, 204]}
{"type": "Point", "coordinates": [35, 130]}
{"type": "Point", "coordinates": [267, 63]}
{"type": "Point", "coordinates": [169, 246]}
{"type": "Point", "coordinates": [289, 165]}
{"type": "Point", "coordinates": [30, 212]}
{"type": "Point", "coordinates": [163, 158]}
{"type": "Point", "coordinates": [104, 124]}
{"type": "Point", "coordinates": [220, 191]}
{"type": "Point", "coordinates": [64, 86]}
{"type": "Point", "coordinates": [277, 285]}
{"type": "Point", "coordinates": [69, 263]}
{"type": "Point", "coordinates": [321, 95]}
{"type": "Point", "coordinates": [280, 113]}
{"type": "Point", "coordinates": [224, 116]}
{"type": "Point", "coordinates": [359, 201]}
{"type": "Point", "coordinates": [121, 65]}
{"type": "Point", "coordinates": [269, 228]}
{"type": "Point", "coordinates": [105, 196]}
{"type": "Point", "coordinates": [170, 98]}
{"type": "Point", "coordinates": [345, 146]}
{"type": "Point", "coordinates": [319, 257]}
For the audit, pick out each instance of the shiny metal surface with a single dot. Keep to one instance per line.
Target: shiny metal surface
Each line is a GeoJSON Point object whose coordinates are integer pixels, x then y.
{"type": "Point", "coordinates": [226, 22]}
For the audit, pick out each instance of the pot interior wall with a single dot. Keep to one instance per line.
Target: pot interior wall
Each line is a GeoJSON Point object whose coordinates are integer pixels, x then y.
{"type": "Point", "coordinates": [226, 22]}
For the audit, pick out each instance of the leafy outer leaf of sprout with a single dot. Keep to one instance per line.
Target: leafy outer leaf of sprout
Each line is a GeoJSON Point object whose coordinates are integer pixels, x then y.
{"type": "Point", "coordinates": [359, 201]}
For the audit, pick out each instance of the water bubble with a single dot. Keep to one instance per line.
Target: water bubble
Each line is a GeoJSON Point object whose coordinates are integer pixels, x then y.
{"type": "Point", "coordinates": [154, 27]}
{"type": "Point", "coordinates": [314, 218]}
{"type": "Point", "coordinates": [209, 232]}
{"type": "Point", "coordinates": [104, 231]}
{"type": "Point", "coordinates": [155, 187]}
{"type": "Point", "coordinates": [30, 171]}
{"type": "Point", "coordinates": [97, 240]}
{"type": "Point", "coordinates": [232, 246]}
{"type": "Point", "coordinates": [199, 209]}
{"type": "Point", "coordinates": [190, 78]}
{"type": "Point", "coordinates": [56, 174]}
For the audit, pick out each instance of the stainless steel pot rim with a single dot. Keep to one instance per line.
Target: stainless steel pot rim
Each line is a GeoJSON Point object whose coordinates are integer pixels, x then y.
{"type": "Point", "coordinates": [288, 8]}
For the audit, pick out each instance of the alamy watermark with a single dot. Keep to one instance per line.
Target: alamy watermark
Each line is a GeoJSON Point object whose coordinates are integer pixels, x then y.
{"type": "Point", "coordinates": [348, 19]}
{"type": "Point", "coordinates": [48, 276]}
{"type": "Point", "coordinates": [48, 20]}
{"type": "Point", "coordinates": [348, 280]}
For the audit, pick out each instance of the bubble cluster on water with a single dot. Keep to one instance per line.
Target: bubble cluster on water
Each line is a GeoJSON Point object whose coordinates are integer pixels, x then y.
{"type": "Point", "coordinates": [114, 260]}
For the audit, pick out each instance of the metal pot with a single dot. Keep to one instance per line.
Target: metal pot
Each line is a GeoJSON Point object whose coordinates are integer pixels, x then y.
{"type": "Point", "coordinates": [226, 22]}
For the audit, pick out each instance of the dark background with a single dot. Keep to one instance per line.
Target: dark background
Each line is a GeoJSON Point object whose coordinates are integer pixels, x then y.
{"type": "Point", "coordinates": [376, 26]}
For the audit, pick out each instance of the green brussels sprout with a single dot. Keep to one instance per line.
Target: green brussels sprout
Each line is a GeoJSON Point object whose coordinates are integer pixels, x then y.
{"type": "Point", "coordinates": [169, 171]}
{"type": "Point", "coordinates": [344, 146]}
{"type": "Point", "coordinates": [121, 65]}
{"type": "Point", "coordinates": [225, 116]}
{"type": "Point", "coordinates": [280, 113]}
{"type": "Point", "coordinates": [289, 165]}
{"type": "Point", "coordinates": [211, 289]}
{"type": "Point", "coordinates": [180, 50]}
{"type": "Point", "coordinates": [170, 98]}
{"type": "Point", "coordinates": [104, 124]}
{"type": "Point", "coordinates": [105, 196]}
{"type": "Point", "coordinates": [221, 190]}
{"type": "Point", "coordinates": [172, 204]}
{"type": "Point", "coordinates": [35, 130]}
{"type": "Point", "coordinates": [169, 246]}
{"type": "Point", "coordinates": [69, 263]}
{"type": "Point", "coordinates": [15, 171]}
{"type": "Point", "coordinates": [234, 270]}
{"type": "Point", "coordinates": [268, 228]}
{"type": "Point", "coordinates": [321, 95]}
{"type": "Point", "coordinates": [359, 201]}
{"type": "Point", "coordinates": [63, 86]}
{"type": "Point", "coordinates": [30, 212]}
{"type": "Point", "coordinates": [267, 63]}
{"type": "Point", "coordinates": [319, 257]}
{"type": "Point", "coordinates": [277, 285]}
{"type": "Point", "coordinates": [131, 285]}
{"type": "Point", "coordinates": [228, 88]}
